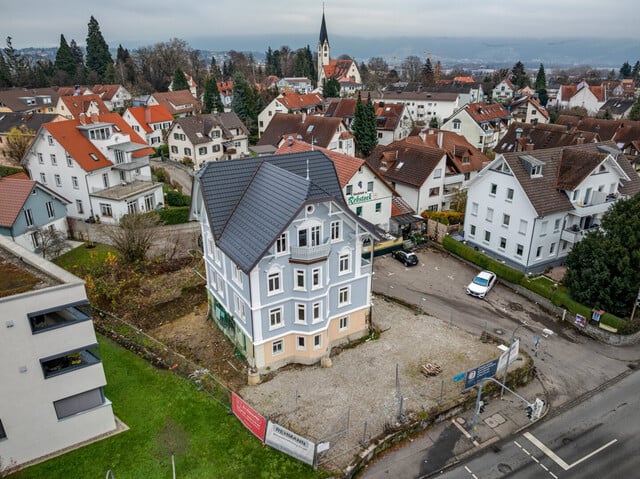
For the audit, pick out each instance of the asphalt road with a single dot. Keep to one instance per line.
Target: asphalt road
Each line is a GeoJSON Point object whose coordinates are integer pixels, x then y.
{"type": "Point", "coordinates": [595, 439]}
{"type": "Point", "coordinates": [569, 364]}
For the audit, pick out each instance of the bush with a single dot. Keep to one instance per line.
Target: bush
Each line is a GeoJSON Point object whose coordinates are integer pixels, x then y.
{"type": "Point", "coordinates": [160, 174]}
{"type": "Point", "coordinates": [444, 217]}
{"type": "Point", "coordinates": [175, 198]}
{"type": "Point", "coordinates": [175, 215]}
{"type": "Point", "coordinates": [9, 170]}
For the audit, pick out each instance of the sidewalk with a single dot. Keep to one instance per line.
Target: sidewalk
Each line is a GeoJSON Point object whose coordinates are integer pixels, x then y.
{"type": "Point", "coordinates": [449, 442]}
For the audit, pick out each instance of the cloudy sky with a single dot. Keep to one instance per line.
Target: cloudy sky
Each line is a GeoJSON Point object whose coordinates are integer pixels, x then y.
{"type": "Point", "coordinates": [135, 23]}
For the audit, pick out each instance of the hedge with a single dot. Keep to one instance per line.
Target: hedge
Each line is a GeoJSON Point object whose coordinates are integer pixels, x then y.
{"type": "Point", "coordinates": [444, 217]}
{"type": "Point", "coordinates": [175, 215]}
{"type": "Point", "coordinates": [175, 198]}
{"type": "Point", "coordinates": [560, 296]}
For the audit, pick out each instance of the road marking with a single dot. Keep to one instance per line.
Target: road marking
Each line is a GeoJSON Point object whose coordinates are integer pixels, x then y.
{"type": "Point", "coordinates": [555, 458]}
{"type": "Point", "coordinates": [472, 474]}
{"type": "Point", "coordinates": [467, 435]}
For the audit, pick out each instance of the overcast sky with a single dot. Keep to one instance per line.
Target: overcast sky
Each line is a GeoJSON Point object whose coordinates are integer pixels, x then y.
{"type": "Point", "coordinates": [134, 23]}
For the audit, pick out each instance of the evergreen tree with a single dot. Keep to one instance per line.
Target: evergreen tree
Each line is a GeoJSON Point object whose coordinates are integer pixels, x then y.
{"type": "Point", "coordinates": [635, 73]}
{"type": "Point", "coordinates": [214, 69]}
{"type": "Point", "coordinates": [78, 55]}
{"type": "Point", "coordinates": [634, 114]}
{"type": "Point", "coordinates": [541, 86]}
{"type": "Point", "coordinates": [625, 70]}
{"type": "Point", "coordinates": [125, 68]}
{"type": "Point", "coordinates": [212, 103]}
{"type": "Point", "coordinates": [603, 269]}
{"type": "Point", "coordinates": [433, 123]}
{"type": "Point", "coordinates": [65, 60]}
{"type": "Point", "coordinates": [427, 73]}
{"type": "Point", "coordinates": [5, 73]}
{"type": "Point", "coordinates": [179, 81]}
{"type": "Point", "coordinates": [364, 126]}
{"type": "Point", "coordinates": [330, 88]}
{"type": "Point", "coordinates": [243, 101]}
{"type": "Point", "coordinates": [98, 56]}
{"type": "Point", "coordinates": [18, 67]}
{"type": "Point", "coordinates": [519, 75]}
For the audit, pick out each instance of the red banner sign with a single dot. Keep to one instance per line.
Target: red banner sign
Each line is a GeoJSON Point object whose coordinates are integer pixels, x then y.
{"type": "Point", "coordinates": [248, 416]}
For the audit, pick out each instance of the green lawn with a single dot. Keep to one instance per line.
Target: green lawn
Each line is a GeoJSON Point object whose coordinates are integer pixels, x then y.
{"type": "Point", "coordinates": [83, 258]}
{"type": "Point", "coordinates": [166, 414]}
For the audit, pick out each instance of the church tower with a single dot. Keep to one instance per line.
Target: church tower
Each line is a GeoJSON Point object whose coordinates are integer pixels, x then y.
{"type": "Point", "coordinates": [323, 50]}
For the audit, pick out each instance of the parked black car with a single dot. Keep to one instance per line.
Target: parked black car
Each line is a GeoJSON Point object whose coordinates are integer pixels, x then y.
{"type": "Point", "coordinates": [406, 257]}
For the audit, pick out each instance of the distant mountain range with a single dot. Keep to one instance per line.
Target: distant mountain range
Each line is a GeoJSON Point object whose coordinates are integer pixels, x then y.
{"type": "Point", "coordinates": [470, 53]}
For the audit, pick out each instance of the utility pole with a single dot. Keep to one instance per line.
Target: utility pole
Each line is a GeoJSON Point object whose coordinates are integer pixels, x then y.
{"type": "Point", "coordinates": [635, 305]}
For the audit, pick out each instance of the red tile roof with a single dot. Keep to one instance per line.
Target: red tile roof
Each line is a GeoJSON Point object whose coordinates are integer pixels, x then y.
{"type": "Point", "coordinates": [339, 70]}
{"type": "Point", "coordinates": [456, 146]}
{"type": "Point", "coordinates": [295, 101]}
{"type": "Point", "coordinates": [172, 99]}
{"type": "Point", "coordinates": [81, 103]}
{"type": "Point", "coordinates": [481, 112]}
{"type": "Point", "coordinates": [80, 147]}
{"type": "Point", "coordinates": [14, 191]}
{"type": "Point", "coordinates": [225, 88]}
{"type": "Point", "coordinates": [309, 128]}
{"type": "Point", "coordinates": [150, 114]}
{"type": "Point", "coordinates": [106, 92]}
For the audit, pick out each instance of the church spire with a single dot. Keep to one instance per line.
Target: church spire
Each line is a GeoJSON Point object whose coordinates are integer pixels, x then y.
{"type": "Point", "coordinates": [323, 29]}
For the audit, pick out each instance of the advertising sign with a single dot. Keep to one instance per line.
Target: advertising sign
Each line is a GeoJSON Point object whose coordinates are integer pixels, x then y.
{"type": "Point", "coordinates": [512, 353]}
{"type": "Point", "coordinates": [290, 443]}
{"type": "Point", "coordinates": [485, 370]}
{"type": "Point", "coordinates": [581, 320]}
{"type": "Point", "coordinates": [253, 421]}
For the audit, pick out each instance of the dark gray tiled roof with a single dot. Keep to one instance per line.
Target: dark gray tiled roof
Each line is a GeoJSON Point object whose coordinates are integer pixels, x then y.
{"type": "Point", "coordinates": [33, 121]}
{"type": "Point", "coordinates": [198, 127]}
{"type": "Point", "coordinates": [249, 202]}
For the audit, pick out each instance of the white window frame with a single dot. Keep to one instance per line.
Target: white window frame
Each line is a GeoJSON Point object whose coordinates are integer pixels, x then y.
{"type": "Point", "coordinates": [474, 209]}
{"type": "Point", "coordinates": [344, 296]}
{"type": "Point", "coordinates": [51, 213]}
{"type": "Point", "coordinates": [316, 312]}
{"type": "Point", "coordinates": [275, 318]}
{"type": "Point", "coordinates": [236, 273]}
{"type": "Point", "coordinates": [282, 244]}
{"type": "Point", "coordinates": [522, 229]}
{"type": "Point", "coordinates": [344, 262]}
{"type": "Point", "coordinates": [75, 183]}
{"type": "Point", "coordinates": [301, 312]}
{"type": "Point", "coordinates": [510, 193]}
{"type": "Point", "coordinates": [336, 230]}
{"type": "Point", "coordinates": [343, 325]}
{"type": "Point", "coordinates": [317, 342]}
{"type": "Point", "coordinates": [301, 343]}
{"type": "Point", "coordinates": [490, 215]}
{"type": "Point", "coordinates": [277, 347]}
{"type": "Point", "coordinates": [506, 220]}
{"type": "Point", "coordinates": [299, 274]}
{"type": "Point", "coordinates": [57, 180]}
{"type": "Point", "coordinates": [316, 273]}
{"type": "Point", "coordinates": [274, 282]}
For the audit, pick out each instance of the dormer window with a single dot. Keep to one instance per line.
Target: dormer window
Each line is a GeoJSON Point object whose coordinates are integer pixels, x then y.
{"type": "Point", "coordinates": [536, 170]}
{"type": "Point", "coordinates": [532, 165]}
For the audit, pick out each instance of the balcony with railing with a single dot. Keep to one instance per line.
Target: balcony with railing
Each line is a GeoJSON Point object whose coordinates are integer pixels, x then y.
{"type": "Point", "coordinates": [309, 254]}
{"type": "Point", "coordinates": [575, 233]}
{"type": "Point", "coordinates": [598, 203]}
{"type": "Point", "coordinates": [365, 266]}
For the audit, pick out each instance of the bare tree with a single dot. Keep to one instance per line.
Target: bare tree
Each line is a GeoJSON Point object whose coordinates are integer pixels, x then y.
{"type": "Point", "coordinates": [51, 241]}
{"type": "Point", "coordinates": [411, 67]}
{"type": "Point", "coordinates": [133, 236]}
{"type": "Point", "coordinates": [17, 142]}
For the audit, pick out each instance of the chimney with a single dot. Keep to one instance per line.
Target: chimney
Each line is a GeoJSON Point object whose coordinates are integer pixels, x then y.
{"type": "Point", "coordinates": [440, 134]}
{"type": "Point", "coordinates": [83, 118]}
{"type": "Point", "coordinates": [423, 136]}
{"type": "Point", "coordinates": [580, 140]}
{"type": "Point", "coordinates": [529, 145]}
{"type": "Point", "coordinates": [290, 140]}
{"type": "Point", "coordinates": [304, 117]}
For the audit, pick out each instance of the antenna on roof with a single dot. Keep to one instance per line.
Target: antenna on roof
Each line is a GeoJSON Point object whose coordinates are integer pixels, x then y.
{"type": "Point", "coordinates": [307, 169]}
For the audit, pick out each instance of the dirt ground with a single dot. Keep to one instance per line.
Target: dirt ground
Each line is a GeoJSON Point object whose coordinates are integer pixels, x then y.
{"type": "Point", "coordinates": [334, 404]}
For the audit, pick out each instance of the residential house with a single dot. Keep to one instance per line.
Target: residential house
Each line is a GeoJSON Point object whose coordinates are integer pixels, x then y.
{"type": "Point", "coordinates": [23, 100]}
{"type": "Point", "coordinates": [393, 121]}
{"type": "Point", "coordinates": [605, 129]}
{"type": "Point", "coordinates": [627, 139]}
{"type": "Point", "coordinates": [330, 133]}
{"type": "Point", "coordinates": [76, 105]}
{"type": "Point", "coordinates": [468, 92]}
{"type": "Point", "coordinates": [364, 190]}
{"type": "Point", "coordinates": [482, 124]}
{"type": "Point", "coordinates": [151, 122]}
{"type": "Point", "coordinates": [527, 109]}
{"type": "Point", "coordinates": [28, 208]}
{"type": "Point", "coordinates": [503, 92]}
{"type": "Point", "coordinates": [97, 162]}
{"type": "Point", "coordinates": [528, 209]}
{"type": "Point", "coordinates": [203, 138]}
{"type": "Point", "coordinates": [527, 137]}
{"type": "Point", "coordinates": [116, 97]}
{"type": "Point", "coordinates": [52, 399]}
{"type": "Point", "coordinates": [74, 90]}
{"type": "Point", "coordinates": [10, 120]}
{"type": "Point", "coordinates": [193, 86]}
{"type": "Point", "coordinates": [345, 71]}
{"type": "Point", "coordinates": [617, 108]}
{"type": "Point", "coordinates": [583, 95]}
{"type": "Point", "coordinates": [290, 102]}
{"type": "Point", "coordinates": [300, 85]}
{"type": "Point", "coordinates": [226, 93]}
{"type": "Point", "coordinates": [415, 171]}
{"type": "Point", "coordinates": [621, 89]}
{"type": "Point", "coordinates": [178, 103]}
{"type": "Point", "coordinates": [283, 254]}
{"type": "Point", "coordinates": [422, 106]}
{"type": "Point", "coordinates": [464, 161]}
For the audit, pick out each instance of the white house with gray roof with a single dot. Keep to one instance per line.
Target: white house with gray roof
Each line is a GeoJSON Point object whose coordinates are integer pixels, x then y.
{"type": "Point", "coordinates": [529, 208]}
{"type": "Point", "coordinates": [283, 253]}
{"type": "Point", "coordinates": [204, 138]}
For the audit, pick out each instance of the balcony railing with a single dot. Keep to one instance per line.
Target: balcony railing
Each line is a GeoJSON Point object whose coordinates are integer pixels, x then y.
{"type": "Point", "coordinates": [310, 253]}
{"type": "Point", "coordinates": [365, 266]}
{"type": "Point", "coordinates": [574, 234]}
{"type": "Point", "coordinates": [599, 203]}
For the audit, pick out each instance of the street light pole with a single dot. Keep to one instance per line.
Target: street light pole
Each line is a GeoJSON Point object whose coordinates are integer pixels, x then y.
{"type": "Point", "coordinates": [635, 305]}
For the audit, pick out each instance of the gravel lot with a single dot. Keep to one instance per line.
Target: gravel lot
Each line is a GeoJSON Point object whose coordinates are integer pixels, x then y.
{"type": "Point", "coordinates": [333, 404]}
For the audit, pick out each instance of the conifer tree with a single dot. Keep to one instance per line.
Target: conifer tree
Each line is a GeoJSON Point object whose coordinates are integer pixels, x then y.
{"type": "Point", "coordinates": [519, 75]}
{"type": "Point", "coordinates": [65, 60]}
{"type": "Point", "coordinates": [541, 86]}
{"type": "Point", "coordinates": [330, 88]}
{"type": "Point", "coordinates": [428, 76]}
{"type": "Point", "coordinates": [364, 126]}
{"type": "Point", "coordinates": [5, 73]}
{"type": "Point", "coordinates": [212, 103]}
{"type": "Point", "coordinates": [179, 81]}
{"type": "Point", "coordinates": [98, 56]}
